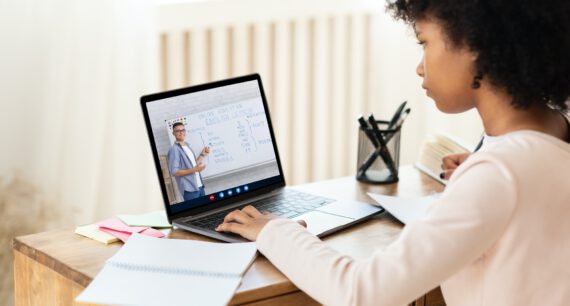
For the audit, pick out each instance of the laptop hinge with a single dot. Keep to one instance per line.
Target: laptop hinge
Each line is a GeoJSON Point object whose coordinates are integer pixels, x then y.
{"type": "Point", "coordinates": [232, 206]}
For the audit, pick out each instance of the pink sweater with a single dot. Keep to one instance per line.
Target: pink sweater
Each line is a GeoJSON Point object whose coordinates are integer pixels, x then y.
{"type": "Point", "coordinates": [499, 235]}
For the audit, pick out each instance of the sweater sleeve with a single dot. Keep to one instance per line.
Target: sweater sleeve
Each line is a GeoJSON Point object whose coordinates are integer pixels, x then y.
{"type": "Point", "coordinates": [461, 225]}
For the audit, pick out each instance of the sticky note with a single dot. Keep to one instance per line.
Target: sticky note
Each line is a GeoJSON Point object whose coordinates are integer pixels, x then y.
{"type": "Point", "coordinates": [152, 219]}
{"type": "Point", "coordinates": [117, 228]}
{"type": "Point", "coordinates": [92, 231]}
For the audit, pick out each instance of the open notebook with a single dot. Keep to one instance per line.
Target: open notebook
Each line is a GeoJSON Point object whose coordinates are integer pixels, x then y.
{"type": "Point", "coordinates": [152, 271]}
{"type": "Point", "coordinates": [434, 148]}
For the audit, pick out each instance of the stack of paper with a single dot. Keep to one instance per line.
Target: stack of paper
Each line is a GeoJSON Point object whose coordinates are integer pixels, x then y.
{"type": "Point", "coordinates": [150, 271]}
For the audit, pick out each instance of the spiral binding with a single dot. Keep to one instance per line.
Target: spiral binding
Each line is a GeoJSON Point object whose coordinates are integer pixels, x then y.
{"type": "Point", "coordinates": [167, 270]}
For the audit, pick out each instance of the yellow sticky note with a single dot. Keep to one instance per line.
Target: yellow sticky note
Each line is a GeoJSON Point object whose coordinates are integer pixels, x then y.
{"type": "Point", "coordinates": [92, 231]}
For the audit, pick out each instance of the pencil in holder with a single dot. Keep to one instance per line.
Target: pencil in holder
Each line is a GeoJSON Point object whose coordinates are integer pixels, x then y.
{"type": "Point", "coordinates": [378, 163]}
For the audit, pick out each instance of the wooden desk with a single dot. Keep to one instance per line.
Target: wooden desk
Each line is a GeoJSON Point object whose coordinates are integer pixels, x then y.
{"type": "Point", "coordinates": [52, 268]}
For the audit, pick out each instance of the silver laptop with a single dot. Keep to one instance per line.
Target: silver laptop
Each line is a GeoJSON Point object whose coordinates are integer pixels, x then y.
{"type": "Point", "coordinates": [215, 151]}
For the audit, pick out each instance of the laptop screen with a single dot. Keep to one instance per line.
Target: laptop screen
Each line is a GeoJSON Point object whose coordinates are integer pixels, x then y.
{"type": "Point", "coordinates": [212, 143]}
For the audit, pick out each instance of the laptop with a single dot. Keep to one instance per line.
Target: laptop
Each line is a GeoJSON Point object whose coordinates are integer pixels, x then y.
{"type": "Point", "coordinates": [215, 151]}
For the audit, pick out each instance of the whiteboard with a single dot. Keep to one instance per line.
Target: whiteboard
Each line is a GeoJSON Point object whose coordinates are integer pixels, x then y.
{"type": "Point", "coordinates": [237, 134]}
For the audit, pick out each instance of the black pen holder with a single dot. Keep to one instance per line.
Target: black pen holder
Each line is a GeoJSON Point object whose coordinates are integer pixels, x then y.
{"type": "Point", "coordinates": [372, 164]}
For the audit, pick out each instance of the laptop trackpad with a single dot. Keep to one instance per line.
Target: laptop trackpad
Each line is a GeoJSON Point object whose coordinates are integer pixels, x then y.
{"type": "Point", "coordinates": [350, 209]}
{"type": "Point", "coordinates": [319, 222]}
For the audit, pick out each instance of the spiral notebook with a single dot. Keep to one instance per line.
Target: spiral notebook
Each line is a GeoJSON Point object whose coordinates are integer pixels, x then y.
{"type": "Point", "coordinates": [152, 271]}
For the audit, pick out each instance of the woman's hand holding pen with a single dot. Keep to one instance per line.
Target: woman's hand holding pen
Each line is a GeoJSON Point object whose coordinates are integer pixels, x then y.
{"type": "Point", "coordinates": [247, 222]}
{"type": "Point", "coordinates": [450, 162]}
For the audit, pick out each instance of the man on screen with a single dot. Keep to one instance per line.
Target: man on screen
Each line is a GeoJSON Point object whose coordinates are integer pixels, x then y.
{"type": "Point", "coordinates": [185, 166]}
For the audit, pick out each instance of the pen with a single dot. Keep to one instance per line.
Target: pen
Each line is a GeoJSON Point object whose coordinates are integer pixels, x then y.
{"type": "Point", "coordinates": [397, 115]}
{"type": "Point", "coordinates": [366, 130]}
{"type": "Point", "coordinates": [401, 120]}
{"type": "Point", "coordinates": [480, 144]}
{"type": "Point", "coordinates": [368, 161]}
{"type": "Point", "coordinates": [405, 113]}
{"type": "Point", "coordinates": [373, 155]}
{"type": "Point", "coordinates": [383, 150]}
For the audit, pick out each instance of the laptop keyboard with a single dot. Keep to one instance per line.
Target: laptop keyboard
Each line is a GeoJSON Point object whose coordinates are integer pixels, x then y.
{"type": "Point", "coordinates": [287, 204]}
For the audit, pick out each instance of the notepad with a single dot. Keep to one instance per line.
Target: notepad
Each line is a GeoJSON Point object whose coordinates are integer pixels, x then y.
{"type": "Point", "coordinates": [152, 271]}
{"type": "Point", "coordinates": [92, 231]}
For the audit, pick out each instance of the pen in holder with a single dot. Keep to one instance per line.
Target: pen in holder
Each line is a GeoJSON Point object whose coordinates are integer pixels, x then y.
{"type": "Point", "coordinates": [378, 159]}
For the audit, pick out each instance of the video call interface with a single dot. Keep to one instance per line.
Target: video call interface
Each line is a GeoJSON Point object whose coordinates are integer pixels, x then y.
{"type": "Point", "coordinates": [213, 144]}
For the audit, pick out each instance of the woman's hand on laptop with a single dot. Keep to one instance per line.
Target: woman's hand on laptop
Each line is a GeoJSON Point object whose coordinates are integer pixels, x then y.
{"type": "Point", "coordinates": [247, 222]}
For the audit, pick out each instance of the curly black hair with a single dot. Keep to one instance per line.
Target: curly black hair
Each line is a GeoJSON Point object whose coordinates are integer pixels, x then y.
{"type": "Point", "coordinates": [523, 46]}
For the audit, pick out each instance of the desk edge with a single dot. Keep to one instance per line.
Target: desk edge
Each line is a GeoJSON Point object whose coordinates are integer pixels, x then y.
{"type": "Point", "coordinates": [50, 262]}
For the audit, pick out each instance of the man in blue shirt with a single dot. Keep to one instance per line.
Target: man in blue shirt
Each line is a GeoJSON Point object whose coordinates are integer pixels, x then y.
{"type": "Point", "coordinates": [184, 165]}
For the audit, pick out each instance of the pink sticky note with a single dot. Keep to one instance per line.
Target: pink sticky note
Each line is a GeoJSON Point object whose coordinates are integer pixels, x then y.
{"type": "Point", "coordinates": [117, 228]}
{"type": "Point", "coordinates": [116, 224]}
{"type": "Point", "coordinates": [153, 232]}
{"type": "Point", "coordinates": [121, 235]}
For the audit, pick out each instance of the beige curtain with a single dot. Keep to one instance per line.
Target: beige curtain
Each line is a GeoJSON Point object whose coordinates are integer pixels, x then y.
{"type": "Point", "coordinates": [74, 147]}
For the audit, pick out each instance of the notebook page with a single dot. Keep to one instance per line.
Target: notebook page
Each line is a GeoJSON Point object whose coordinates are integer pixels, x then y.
{"type": "Point", "coordinates": [186, 255]}
{"type": "Point", "coordinates": [117, 286]}
{"type": "Point", "coordinates": [433, 149]}
{"type": "Point", "coordinates": [152, 271]}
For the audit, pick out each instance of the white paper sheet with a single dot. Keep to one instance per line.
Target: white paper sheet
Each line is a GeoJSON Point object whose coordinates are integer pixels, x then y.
{"type": "Point", "coordinates": [404, 209]}
{"type": "Point", "coordinates": [152, 271]}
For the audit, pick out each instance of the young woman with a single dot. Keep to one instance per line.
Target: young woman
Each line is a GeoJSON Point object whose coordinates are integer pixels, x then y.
{"type": "Point", "coordinates": [500, 233]}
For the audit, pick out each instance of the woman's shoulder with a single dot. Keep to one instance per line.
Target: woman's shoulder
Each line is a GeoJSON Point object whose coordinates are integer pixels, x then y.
{"type": "Point", "coordinates": [526, 141]}
{"type": "Point", "coordinates": [522, 154]}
